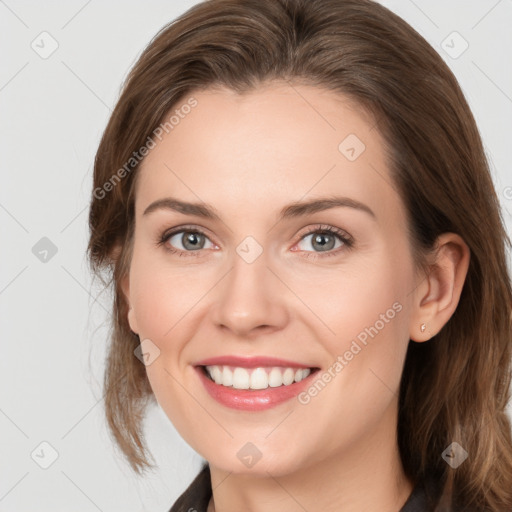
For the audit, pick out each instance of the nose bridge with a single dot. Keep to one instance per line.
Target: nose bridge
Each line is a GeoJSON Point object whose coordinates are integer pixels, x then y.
{"type": "Point", "coordinates": [250, 296]}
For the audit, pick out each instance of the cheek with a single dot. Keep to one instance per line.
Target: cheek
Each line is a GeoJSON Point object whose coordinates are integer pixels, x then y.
{"type": "Point", "coordinates": [367, 351]}
{"type": "Point", "coordinates": [163, 295]}
{"type": "Point", "coordinates": [355, 297]}
{"type": "Point", "coordinates": [371, 336]}
{"type": "Point", "coordinates": [163, 301]}
{"type": "Point", "coordinates": [366, 315]}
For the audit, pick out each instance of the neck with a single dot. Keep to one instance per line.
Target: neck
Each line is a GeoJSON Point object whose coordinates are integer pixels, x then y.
{"type": "Point", "coordinates": [368, 475]}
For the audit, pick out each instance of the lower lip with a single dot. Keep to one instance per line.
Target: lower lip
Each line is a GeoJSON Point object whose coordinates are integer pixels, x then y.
{"type": "Point", "coordinates": [252, 399]}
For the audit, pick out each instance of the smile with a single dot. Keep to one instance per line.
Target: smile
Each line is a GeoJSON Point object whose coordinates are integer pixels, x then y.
{"type": "Point", "coordinates": [255, 378]}
{"type": "Point", "coordinates": [253, 383]}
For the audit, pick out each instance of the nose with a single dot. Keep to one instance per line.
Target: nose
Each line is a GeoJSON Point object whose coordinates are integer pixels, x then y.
{"type": "Point", "coordinates": [250, 300]}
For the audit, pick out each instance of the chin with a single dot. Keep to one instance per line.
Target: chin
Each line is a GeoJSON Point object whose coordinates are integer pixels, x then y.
{"type": "Point", "coordinates": [275, 465]}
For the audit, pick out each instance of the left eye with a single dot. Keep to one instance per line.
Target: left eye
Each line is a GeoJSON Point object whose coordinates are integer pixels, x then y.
{"type": "Point", "coordinates": [189, 240]}
{"type": "Point", "coordinates": [323, 241]}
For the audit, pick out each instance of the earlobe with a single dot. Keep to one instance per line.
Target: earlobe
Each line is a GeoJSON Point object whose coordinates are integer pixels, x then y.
{"type": "Point", "coordinates": [125, 288]}
{"type": "Point", "coordinates": [132, 321]}
{"type": "Point", "coordinates": [438, 296]}
{"type": "Point", "coordinates": [115, 252]}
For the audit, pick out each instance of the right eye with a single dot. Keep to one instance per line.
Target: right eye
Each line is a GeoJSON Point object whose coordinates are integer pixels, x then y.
{"type": "Point", "coordinates": [185, 241]}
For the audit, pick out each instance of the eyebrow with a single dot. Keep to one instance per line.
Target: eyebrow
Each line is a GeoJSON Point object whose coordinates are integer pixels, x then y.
{"type": "Point", "coordinates": [293, 210]}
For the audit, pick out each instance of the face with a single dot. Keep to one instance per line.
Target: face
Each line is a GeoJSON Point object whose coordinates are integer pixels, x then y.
{"type": "Point", "coordinates": [253, 271]}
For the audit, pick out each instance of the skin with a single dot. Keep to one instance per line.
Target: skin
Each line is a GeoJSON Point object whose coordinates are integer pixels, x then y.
{"type": "Point", "coordinates": [248, 156]}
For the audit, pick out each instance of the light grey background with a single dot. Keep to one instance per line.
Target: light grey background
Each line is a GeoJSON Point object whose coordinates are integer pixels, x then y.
{"type": "Point", "coordinates": [53, 111]}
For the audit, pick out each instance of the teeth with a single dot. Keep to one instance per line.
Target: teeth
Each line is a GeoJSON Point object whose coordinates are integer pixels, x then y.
{"type": "Point", "coordinates": [227, 376]}
{"type": "Point", "coordinates": [256, 378]}
{"type": "Point", "coordinates": [275, 378]}
{"type": "Point", "coordinates": [241, 379]}
{"type": "Point", "coordinates": [259, 379]}
{"type": "Point", "coordinates": [216, 375]}
{"type": "Point", "coordinates": [288, 376]}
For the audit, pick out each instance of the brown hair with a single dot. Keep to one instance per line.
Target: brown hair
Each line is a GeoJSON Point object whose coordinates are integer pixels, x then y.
{"type": "Point", "coordinates": [456, 386]}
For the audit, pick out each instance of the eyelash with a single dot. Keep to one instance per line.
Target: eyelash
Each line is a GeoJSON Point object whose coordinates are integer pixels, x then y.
{"type": "Point", "coordinates": [323, 229]}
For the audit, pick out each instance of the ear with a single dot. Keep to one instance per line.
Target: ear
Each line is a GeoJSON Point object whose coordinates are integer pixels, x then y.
{"type": "Point", "coordinates": [124, 285]}
{"type": "Point", "coordinates": [438, 294]}
{"type": "Point", "coordinates": [115, 252]}
{"type": "Point", "coordinates": [125, 289]}
{"type": "Point", "coordinates": [132, 320]}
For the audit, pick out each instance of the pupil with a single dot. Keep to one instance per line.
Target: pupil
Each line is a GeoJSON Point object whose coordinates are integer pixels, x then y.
{"type": "Point", "coordinates": [190, 241]}
{"type": "Point", "coordinates": [320, 239]}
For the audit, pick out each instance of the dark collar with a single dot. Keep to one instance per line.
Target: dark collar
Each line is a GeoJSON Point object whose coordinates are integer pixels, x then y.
{"type": "Point", "coordinates": [197, 495]}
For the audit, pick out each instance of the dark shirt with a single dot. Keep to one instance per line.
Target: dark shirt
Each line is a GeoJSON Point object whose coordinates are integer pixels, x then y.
{"type": "Point", "coordinates": [197, 495]}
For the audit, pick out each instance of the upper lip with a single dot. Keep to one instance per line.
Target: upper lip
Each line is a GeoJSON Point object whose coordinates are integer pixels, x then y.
{"type": "Point", "coordinates": [250, 362]}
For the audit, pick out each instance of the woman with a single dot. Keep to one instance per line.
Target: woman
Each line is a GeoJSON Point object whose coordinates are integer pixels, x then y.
{"type": "Point", "coordinates": [309, 260]}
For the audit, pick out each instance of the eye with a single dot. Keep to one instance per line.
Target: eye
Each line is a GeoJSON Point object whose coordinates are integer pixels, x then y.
{"type": "Point", "coordinates": [185, 241]}
{"type": "Point", "coordinates": [325, 239]}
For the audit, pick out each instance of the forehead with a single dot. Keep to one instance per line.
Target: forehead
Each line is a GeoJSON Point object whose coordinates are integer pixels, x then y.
{"type": "Point", "coordinates": [275, 144]}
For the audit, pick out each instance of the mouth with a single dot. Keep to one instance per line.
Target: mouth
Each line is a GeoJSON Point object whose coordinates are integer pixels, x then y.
{"type": "Point", "coordinates": [255, 383]}
{"type": "Point", "coordinates": [257, 378]}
